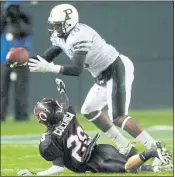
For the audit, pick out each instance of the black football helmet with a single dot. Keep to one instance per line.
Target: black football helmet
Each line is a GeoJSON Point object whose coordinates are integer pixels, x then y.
{"type": "Point", "coordinates": [49, 112]}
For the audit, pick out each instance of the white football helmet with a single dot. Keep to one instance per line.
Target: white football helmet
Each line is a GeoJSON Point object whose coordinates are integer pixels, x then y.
{"type": "Point", "coordinates": [62, 19]}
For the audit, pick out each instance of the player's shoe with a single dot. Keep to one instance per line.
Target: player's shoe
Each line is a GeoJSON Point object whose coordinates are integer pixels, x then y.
{"type": "Point", "coordinates": [157, 163]}
{"type": "Point", "coordinates": [163, 155]}
{"type": "Point", "coordinates": [150, 168]}
{"type": "Point", "coordinates": [166, 167]}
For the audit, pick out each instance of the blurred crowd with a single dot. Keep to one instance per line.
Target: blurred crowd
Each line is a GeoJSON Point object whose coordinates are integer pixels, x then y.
{"type": "Point", "coordinates": [15, 31]}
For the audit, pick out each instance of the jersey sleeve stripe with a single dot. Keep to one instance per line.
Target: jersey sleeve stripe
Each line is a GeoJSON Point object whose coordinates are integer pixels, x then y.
{"type": "Point", "coordinates": [83, 42]}
{"type": "Point", "coordinates": [82, 48]}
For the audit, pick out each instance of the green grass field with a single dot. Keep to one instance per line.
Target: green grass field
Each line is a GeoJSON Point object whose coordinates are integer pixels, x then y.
{"type": "Point", "coordinates": [19, 142]}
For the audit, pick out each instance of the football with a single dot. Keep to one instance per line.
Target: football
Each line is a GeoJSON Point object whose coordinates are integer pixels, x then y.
{"type": "Point", "coordinates": [19, 55]}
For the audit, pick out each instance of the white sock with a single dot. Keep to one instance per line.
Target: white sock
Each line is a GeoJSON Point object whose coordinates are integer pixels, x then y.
{"type": "Point", "coordinates": [145, 139]}
{"type": "Point", "coordinates": [114, 134]}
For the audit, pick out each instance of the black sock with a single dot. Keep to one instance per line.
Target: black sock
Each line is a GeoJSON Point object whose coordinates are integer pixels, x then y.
{"type": "Point", "coordinates": [144, 156]}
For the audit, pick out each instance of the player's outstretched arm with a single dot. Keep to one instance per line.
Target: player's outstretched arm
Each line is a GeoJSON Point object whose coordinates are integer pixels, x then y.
{"type": "Point", "coordinates": [51, 171]}
{"type": "Point", "coordinates": [41, 65]}
{"type": "Point", "coordinates": [50, 54]}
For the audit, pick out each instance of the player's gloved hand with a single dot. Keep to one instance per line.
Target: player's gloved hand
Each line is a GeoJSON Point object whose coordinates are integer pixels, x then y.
{"type": "Point", "coordinates": [26, 173]}
{"type": "Point", "coordinates": [60, 84]}
{"type": "Point", "coordinates": [41, 65]}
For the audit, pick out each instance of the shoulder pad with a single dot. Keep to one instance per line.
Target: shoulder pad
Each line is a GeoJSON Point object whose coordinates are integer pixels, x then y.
{"type": "Point", "coordinates": [81, 43]}
{"type": "Point", "coordinates": [79, 33]}
{"type": "Point", "coordinates": [52, 39]}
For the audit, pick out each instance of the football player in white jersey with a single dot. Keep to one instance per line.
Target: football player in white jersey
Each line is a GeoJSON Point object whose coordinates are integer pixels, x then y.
{"type": "Point", "coordinates": [112, 71]}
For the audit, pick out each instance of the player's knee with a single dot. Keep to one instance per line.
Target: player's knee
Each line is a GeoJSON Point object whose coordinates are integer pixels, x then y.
{"type": "Point", "coordinates": [85, 110]}
{"type": "Point", "coordinates": [110, 114]}
{"type": "Point", "coordinates": [121, 121]}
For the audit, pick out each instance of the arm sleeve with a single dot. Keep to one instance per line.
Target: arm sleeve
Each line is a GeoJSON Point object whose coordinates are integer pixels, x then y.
{"type": "Point", "coordinates": [81, 44]}
{"type": "Point", "coordinates": [51, 152]}
{"type": "Point", "coordinates": [77, 68]}
{"type": "Point", "coordinates": [52, 170]}
{"type": "Point", "coordinates": [66, 103]}
{"type": "Point", "coordinates": [51, 53]}
{"type": "Point", "coordinates": [64, 100]}
{"type": "Point", "coordinates": [58, 162]}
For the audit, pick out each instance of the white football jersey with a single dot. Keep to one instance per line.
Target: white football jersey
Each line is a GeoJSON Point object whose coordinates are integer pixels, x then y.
{"type": "Point", "coordinates": [83, 38]}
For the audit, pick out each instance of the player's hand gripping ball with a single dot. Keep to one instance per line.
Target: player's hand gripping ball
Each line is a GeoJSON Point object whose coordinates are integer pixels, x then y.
{"type": "Point", "coordinates": [17, 57]}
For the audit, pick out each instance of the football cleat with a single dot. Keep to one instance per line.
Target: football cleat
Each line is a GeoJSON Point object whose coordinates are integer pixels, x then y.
{"type": "Point", "coordinates": [163, 154]}
{"type": "Point", "coordinates": [168, 167]}
{"type": "Point", "coordinates": [148, 168]}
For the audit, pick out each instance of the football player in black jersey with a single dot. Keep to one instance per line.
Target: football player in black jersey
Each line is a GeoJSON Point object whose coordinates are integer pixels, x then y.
{"type": "Point", "coordinates": [66, 144]}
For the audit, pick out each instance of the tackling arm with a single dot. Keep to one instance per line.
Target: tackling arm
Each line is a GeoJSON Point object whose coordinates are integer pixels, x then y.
{"type": "Point", "coordinates": [64, 99]}
{"type": "Point", "coordinates": [63, 96]}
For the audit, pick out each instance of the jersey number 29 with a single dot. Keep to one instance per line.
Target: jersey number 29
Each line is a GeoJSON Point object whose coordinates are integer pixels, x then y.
{"type": "Point", "coordinates": [79, 141]}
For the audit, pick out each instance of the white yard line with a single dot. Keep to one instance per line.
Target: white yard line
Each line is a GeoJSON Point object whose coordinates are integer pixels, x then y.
{"type": "Point", "coordinates": [160, 132]}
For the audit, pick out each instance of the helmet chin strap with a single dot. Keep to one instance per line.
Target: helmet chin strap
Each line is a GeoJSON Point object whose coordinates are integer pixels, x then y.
{"type": "Point", "coordinates": [62, 35]}
{"type": "Point", "coordinates": [55, 33]}
{"type": "Point", "coordinates": [43, 125]}
{"type": "Point", "coordinates": [65, 33]}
